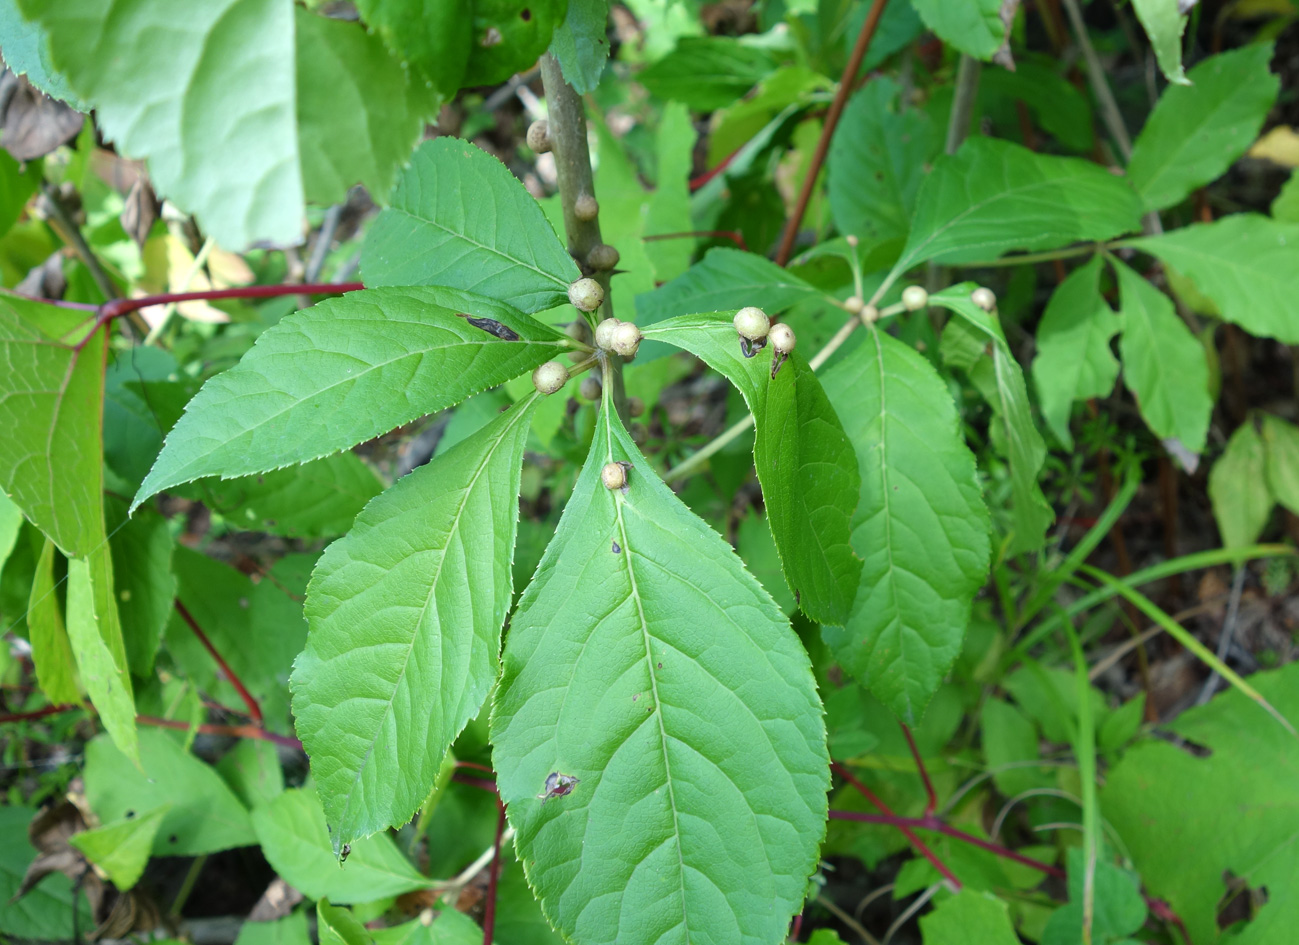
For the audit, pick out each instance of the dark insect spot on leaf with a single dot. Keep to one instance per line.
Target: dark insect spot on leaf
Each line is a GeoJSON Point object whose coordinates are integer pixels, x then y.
{"type": "Point", "coordinates": [635, 696]}
{"type": "Point", "coordinates": [271, 522]}
{"type": "Point", "coordinates": [344, 853]}
{"type": "Point", "coordinates": [525, 14]}
{"type": "Point", "coordinates": [617, 549]}
{"type": "Point", "coordinates": [173, 839]}
{"type": "Point", "coordinates": [492, 327]}
{"type": "Point", "coordinates": [130, 814]}
{"type": "Point", "coordinates": [798, 597]}
{"type": "Point", "coordinates": [260, 480]}
{"type": "Point", "coordinates": [558, 785]}
{"type": "Point", "coordinates": [660, 665]}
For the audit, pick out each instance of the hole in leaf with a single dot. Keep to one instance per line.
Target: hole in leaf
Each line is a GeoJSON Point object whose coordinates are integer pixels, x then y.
{"type": "Point", "coordinates": [1240, 903]}
{"type": "Point", "coordinates": [525, 15]}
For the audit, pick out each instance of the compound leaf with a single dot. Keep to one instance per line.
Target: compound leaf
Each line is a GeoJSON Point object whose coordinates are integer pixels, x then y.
{"type": "Point", "coordinates": [646, 662]}
{"type": "Point", "coordinates": [921, 526]}
{"type": "Point", "coordinates": [1197, 131]}
{"type": "Point", "coordinates": [343, 371]}
{"type": "Point", "coordinates": [405, 617]}
{"type": "Point", "coordinates": [1245, 263]}
{"type": "Point", "coordinates": [993, 196]}
{"type": "Point", "coordinates": [459, 218]}
{"type": "Point", "coordinates": [291, 829]}
{"type": "Point", "coordinates": [805, 462]}
{"type": "Point", "coordinates": [1074, 360]}
{"type": "Point", "coordinates": [1163, 363]}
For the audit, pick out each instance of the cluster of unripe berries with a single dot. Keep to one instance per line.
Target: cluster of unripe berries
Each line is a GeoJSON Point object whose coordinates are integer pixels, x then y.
{"type": "Point", "coordinates": [914, 298]}
{"type": "Point", "coordinates": [756, 330]}
{"type": "Point", "coordinates": [611, 335]}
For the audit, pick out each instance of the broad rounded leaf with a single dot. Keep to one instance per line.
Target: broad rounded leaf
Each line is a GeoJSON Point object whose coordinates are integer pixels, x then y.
{"type": "Point", "coordinates": [1238, 488]}
{"type": "Point", "coordinates": [1196, 131]}
{"type": "Point", "coordinates": [1246, 264]}
{"type": "Point", "coordinates": [993, 196]}
{"type": "Point", "coordinates": [405, 617]}
{"type": "Point", "coordinates": [921, 526]}
{"type": "Point", "coordinates": [433, 36]}
{"type": "Point", "coordinates": [877, 162]}
{"type": "Point", "coordinates": [805, 462]}
{"type": "Point", "coordinates": [1074, 360]}
{"type": "Point", "coordinates": [1163, 364]}
{"type": "Point", "coordinates": [291, 829]}
{"type": "Point", "coordinates": [343, 371]}
{"type": "Point", "coordinates": [974, 27]}
{"type": "Point", "coordinates": [459, 218]}
{"type": "Point", "coordinates": [972, 917]}
{"type": "Point", "coordinates": [644, 661]}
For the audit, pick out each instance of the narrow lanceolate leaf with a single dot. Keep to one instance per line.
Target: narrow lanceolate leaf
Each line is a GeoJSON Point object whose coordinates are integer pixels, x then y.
{"type": "Point", "coordinates": [228, 105]}
{"type": "Point", "coordinates": [877, 162]}
{"type": "Point", "coordinates": [804, 459]}
{"type": "Point", "coordinates": [921, 526]}
{"type": "Point", "coordinates": [1238, 488]}
{"type": "Point", "coordinates": [974, 27]}
{"type": "Point", "coordinates": [405, 617]}
{"type": "Point", "coordinates": [1245, 263]}
{"type": "Point", "coordinates": [1163, 363]}
{"type": "Point", "coordinates": [1197, 131]}
{"type": "Point", "coordinates": [56, 669]}
{"type": "Point", "coordinates": [993, 196]}
{"type": "Point", "coordinates": [1282, 471]}
{"type": "Point", "coordinates": [645, 662]}
{"type": "Point", "coordinates": [1001, 380]}
{"type": "Point", "coordinates": [1164, 23]}
{"type": "Point", "coordinates": [96, 638]}
{"type": "Point", "coordinates": [459, 218]}
{"type": "Point", "coordinates": [343, 371]}
{"type": "Point", "coordinates": [725, 278]}
{"type": "Point", "coordinates": [51, 398]}
{"type": "Point", "coordinates": [1074, 360]}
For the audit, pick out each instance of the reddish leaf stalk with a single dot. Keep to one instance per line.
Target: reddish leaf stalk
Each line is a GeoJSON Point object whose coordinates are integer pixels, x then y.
{"type": "Point", "coordinates": [254, 710]}
{"type": "Point", "coordinates": [932, 804]}
{"type": "Point", "coordinates": [119, 307]}
{"type": "Point", "coordinates": [37, 713]}
{"type": "Point", "coordinates": [888, 817]}
{"type": "Point", "coordinates": [232, 731]}
{"type": "Point", "coordinates": [482, 783]}
{"type": "Point", "coordinates": [827, 130]}
{"type": "Point", "coordinates": [493, 878]}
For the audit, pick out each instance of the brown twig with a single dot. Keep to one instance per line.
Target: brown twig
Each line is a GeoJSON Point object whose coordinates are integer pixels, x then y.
{"type": "Point", "coordinates": [827, 130]}
{"type": "Point", "coordinates": [254, 710]}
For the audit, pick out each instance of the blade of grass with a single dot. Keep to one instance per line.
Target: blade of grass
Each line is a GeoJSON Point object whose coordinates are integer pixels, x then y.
{"type": "Point", "coordinates": [1084, 749]}
{"type": "Point", "coordinates": [1184, 637]}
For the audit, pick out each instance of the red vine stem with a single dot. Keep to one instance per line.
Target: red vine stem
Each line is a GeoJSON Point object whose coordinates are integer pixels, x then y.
{"type": "Point", "coordinates": [932, 804]}
{"type": "Point", "coordinates": [493, 878]}
{"type": "Point", "coordinates": [254, 710]}
{"type": "Point", "coordinates": [888, 817]}
{"type": "Point", "coordinates": [827, 130]}
{"type": "Point", "coordinates": [38, 713]}
{"type": "Point", "coordinates": [119, 307]}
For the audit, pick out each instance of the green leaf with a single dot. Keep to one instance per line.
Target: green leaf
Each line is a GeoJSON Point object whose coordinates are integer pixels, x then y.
{"type": "Point", "coordinates": [257, 628]}
{"type": "Point", "coordinates": [645, 661]}
{"type": "Point", "coordinates": [358, 112]}
{"type": "Point", "coordinates": [974, 27]}
{"type": "Point", "coordinates": [1197, 131]}
{"type": "Point", "coordinates": [27, 52]}
{"type": "Point", "coordinates": [497, 244]}
{"type": "Point", "coordinates": [1163, 363]}
{"type": "Point", "coordinates": [337, 926]}
{"type": "Point", "coordinates": [1245, 264]}
{"type": "Point", "coordinates": [18, 181]}
{"type": "Point", "coordinates": [253, 108]}
{"type": "Point", "coordinates": [921, 526]}
{"type": "Point", "coordinates": [1164, 24]}
{"type": "Point", "coordinates": [1282, 468]}
{"type": "Point", "coordinates": [969, 918]}
{"type": "Point", "coordinates": [993, 196]}
{"type": "Point", "coordinates": [1074, 360]}
{"type": "Point", "coordinates": [344, 371]}
{"type": "Point", "coordinates": [11, 521]}
{"type": "Point", "coordinates": [204, 815]}
{"type": "Point", "coordinates": [1191, 820]}
{"type": "Point", "coordinates": [708, 72]}
{"type": "Point", "coordinates": [1242, 502]}
{"type": "Point", "coordinates": [1010, 739]}
{"type": "Point", "coordinates": [252, 769]}
{"type": "Point", "coordinates": [292, 832]}
{"type": "Point", "coordinates": [1118, 909]}
{"type": "Point", "coordinates": [669, 205]}
{"type": "Point", "coordinates": [318, 499]}
{"type": "Point", "coordinates": [434, 38]}
{"type": "Point", "coordinates": [1058, 106]}
{"type": "Point", "coordinates": [45, 912]}
{"type": "Point", "coordinates": [445, 927]}
{"type": "Point", "coordinates": [877, 162]}
{"type": "Point", "coordinates": [1002, 382]}
{"type": "Point", "coordinates": [405, 615]}
{"type": "Point", "coordinates": [509, 36]}
{"type": "Point", "coordinates": [290, 930]}
{"type": "Point", "coordinates": [581, 44]}
{"type": "Point", "coordinates": [1285, 208]}
{"type": "Point", "coordinates": [121, 849]}
{"type": "Point", "coordinates": [145, 586]}
{"type": "Point", "coordinates": [805, 462]}
{"type": "Point", "coordinates": [56, 669]}
{"type": "Point", "coordinates": [725, 278]}
{"type": "Point", "coordinates": [96, 637]}
{"type": "Point", "coordinates": [51, 397]}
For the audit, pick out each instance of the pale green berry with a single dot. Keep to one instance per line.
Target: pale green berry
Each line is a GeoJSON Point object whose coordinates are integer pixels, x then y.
{"type": "Point", "coordinates": [854, 304]}
{"type": "Point", "coordinates": [984, 298]}
{"type": "Point", "coordinates": [586, 295]}
{"type": "Point", "coordinates": [782, 338]}
{"type": "Point", "coordinates": [626, 339]}
{"type": "Point", "coordinates": [614, 475]}
{"type": "Point", "coordinates": [604, 333]}
{"type": "Point", "coordinates": [752, 323]}
{"type": "Point", "coordinates": [550, 377]}
{"type": "Point", "coordinates": [914, 298]}
{"type": "Point", "coordinates": [590, 388]}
